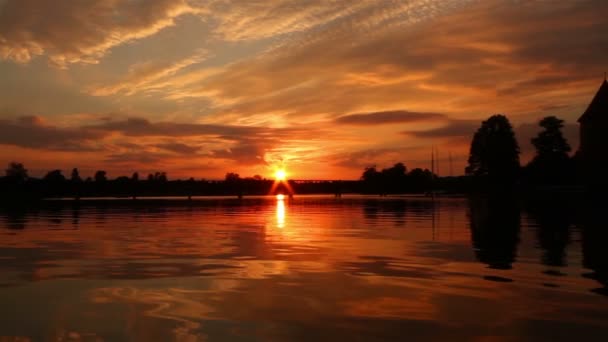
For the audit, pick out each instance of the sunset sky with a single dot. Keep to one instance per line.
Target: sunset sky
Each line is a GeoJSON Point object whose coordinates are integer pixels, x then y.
{"type": "Point", "coordinates": [323, 88]}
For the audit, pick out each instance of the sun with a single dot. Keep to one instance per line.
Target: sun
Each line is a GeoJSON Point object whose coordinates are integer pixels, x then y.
{"type": "Point", "coordinates": [280, 175]}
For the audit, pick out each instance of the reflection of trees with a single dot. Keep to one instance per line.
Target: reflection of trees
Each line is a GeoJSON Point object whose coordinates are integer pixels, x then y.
{"type": "Point", "coordinates": [553, 220]}
{"type": "Point", "coordinates": [397, 209]}
{"type": "Point", "coordinates": [370, 210]}
{"type": "Point", "coordinates": [15, 218]}
{"type": "Point", "coordinates": [595, 248]}
{"type": "Point", "coordinates": [495, 225]}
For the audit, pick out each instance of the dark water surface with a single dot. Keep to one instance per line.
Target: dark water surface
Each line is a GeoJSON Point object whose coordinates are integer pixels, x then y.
{"type": "Point", "coordinates": [309, 269]}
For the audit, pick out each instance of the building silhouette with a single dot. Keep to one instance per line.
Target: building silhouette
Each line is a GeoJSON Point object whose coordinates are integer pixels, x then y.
{"type": "Point", "coordinates": [593, 150]}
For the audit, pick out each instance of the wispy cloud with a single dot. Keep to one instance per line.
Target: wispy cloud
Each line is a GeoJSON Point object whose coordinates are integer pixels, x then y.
{"type": "Point", "coordinates": [388, 117]}
{"type": "Point", "coordinates": [147, 76]}
{"type": "Point", "coordinates": [80, 31]}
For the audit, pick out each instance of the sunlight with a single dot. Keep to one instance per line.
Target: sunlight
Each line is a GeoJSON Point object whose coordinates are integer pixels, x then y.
{"type": "Point", "coordinates": [280, 175]}
{"type": "Point", "coordinates": [280, 184]}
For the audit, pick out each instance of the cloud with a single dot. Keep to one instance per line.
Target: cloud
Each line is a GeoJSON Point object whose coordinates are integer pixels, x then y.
{"type": "Point", "coordinates": [179, 148]}
{"type": "Point", "coordinates": [136, 159]}
{"type": "Point", "coordinates": [471, 59]}
{"type": "Point", "coordinates": [147, 76]}
{"type": "Point", "coordinates": [80, 31]}
{"type": "Point", "coordinates": [246, 152]}
{"type": "Point", "coordinates": [453, 129]}
{"type": "Point", "coordinates": [258, 19]}
{"type": "Point", "coordinates": [381, 157]}
{"type": "Point", "coordinates": [34, 132]}
{"type": "Point", "coordinates": [142, 127]}
{"type": "Point", "coordinates": [136, 142]}
{"type": "Point", "coordinates": [388, 117]}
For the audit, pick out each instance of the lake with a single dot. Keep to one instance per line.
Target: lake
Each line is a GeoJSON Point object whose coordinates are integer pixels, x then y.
{"type": "Point", "coordinates": [311, 268]}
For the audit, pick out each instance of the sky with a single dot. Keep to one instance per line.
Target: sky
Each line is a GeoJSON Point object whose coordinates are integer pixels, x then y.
{"type": "Point", "coordinates": [322, 88]}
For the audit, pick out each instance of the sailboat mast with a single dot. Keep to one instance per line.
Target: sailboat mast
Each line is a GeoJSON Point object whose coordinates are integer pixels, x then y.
{"type": "Point", "coordinates": [451, 165]}
{"type": "Point", "coordinates": [433, 160]}
{"type": "Point", "coordinates": [437, 161]}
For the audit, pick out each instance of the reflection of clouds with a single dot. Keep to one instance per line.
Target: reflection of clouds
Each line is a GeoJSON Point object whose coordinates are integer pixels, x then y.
{"type": "Point", "coordinates": [185, 307]}
{"type": "Point", "coordinates": [392, 307]}
{"type": "Point", "coordinates": [229, 270]}
{"type": "Point", "coordinates": [258, 269]}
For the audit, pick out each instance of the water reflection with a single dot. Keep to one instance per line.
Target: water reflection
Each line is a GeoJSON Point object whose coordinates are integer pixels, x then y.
{"type": "Point", "coordinates": [495, 228]}
{"type": "Point", "coordinates": [553, 218]}
{"type": "Point", "coordinates": [394, 210]}
{"type": "Point", "coordinates": [14, 218]}
{"type": "Point", "coordinates": [595, 247]}
{"type": "Point", "coordinates": [220, 270]}
{"type": "Point", "coordinates": [280, 211]}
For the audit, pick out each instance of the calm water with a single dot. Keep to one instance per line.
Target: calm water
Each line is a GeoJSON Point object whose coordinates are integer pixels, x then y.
{"type": "Point", "coordinates": [311, 268]}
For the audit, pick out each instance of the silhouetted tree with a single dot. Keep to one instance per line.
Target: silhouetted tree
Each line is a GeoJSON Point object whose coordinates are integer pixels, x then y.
{"type": "Point", "coordinates": [234, 183]}
{"type": "Point", "coordinates": [76, 183]}
{"type": "Point", "coordinates": [75, 176]}
{"type": "Point", "coordinates": [551, 164]}
{"type": "Point", "coordinates": [16, 172]}
{"type": "Point", "coordinates": [232, 177]}
{"type": "Point", "coordinates": [420, 180]}
{"type": "Point", "coordinates": [134, 185]}
{"type": "Point", "coordinates": [371, 180]}
{"type": "Point", "coordinates": [54, 176]}
{"type": "Point", "coordinates": [100, 176]}
{"type": "Point", "coordinates": [550, 143]}
{"type": "Point", "coordinates": [396, 172]}
{"type": "Point", "coordinates": [393, 178]}
{"type": "Point", "coordinates": [389, 180]}
{"type": "Point", "coordinates": [494, 151]}
{"type": "Point", "coordinates": [370, 174]}
{"type": "Point", "coordinates": [158, 177]}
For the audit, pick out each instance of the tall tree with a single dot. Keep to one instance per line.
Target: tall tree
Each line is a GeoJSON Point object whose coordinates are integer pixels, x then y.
{"type": "Point", "coordinates": [552, 162]}
{"type": "Point", "coordinates": [550, 143]}
{"type": "Point", "coordinates": [494, 151]}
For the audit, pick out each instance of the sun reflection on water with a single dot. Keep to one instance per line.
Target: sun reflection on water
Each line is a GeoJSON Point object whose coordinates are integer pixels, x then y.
{"type": "Point", "coordinates": [280, 210]}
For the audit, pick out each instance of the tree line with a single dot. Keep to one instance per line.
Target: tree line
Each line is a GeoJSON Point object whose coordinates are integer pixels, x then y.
{"type": "Point", "coordinates": [493, 163]}
{"type": "Point", "coordinates": [494, 155]}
